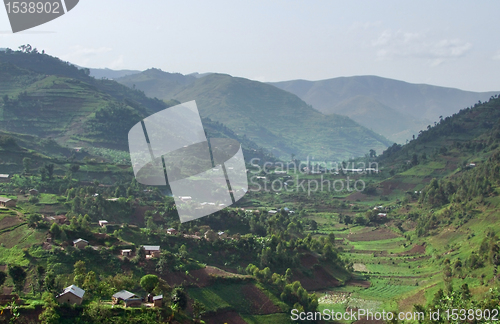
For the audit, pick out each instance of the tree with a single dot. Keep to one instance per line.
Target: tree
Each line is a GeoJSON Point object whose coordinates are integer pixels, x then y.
{"type": "Point", "coordinates": [18, 276]}
{"type": "Point", "coordinates": [74, 168]}
{"type": "Point", "coordinates": [179, 298]}
{"type": "Point", "coordinates": [198, 309]}
{"type": "Point", "coordinates": [149, 282]}
{"type": "Point", "coordinates": [55, 230]}
{"type": "Point", "coordinates": [40, 278]}
{"type": "Point", "coordinates": [331, 238]}
{"type": "Point", "coordinates": [141, 254]}
{"type": "Point", "coordinates": [414, 159]}
{"type": "Point", "coordinates": [183, 251]}
{"type": "Point", "coordinates": [51, 283]}
{"type": "Point", "coordinates": [49, 314]}
{"type": "Point", "coordinates": [373, 153]}
{"type": "Point", "coordinates": [90, 283]}
{"type": "Point", "coordinates": [33, 219]}
{"type": "Point", "coordinates": [288, 275]}
{"type": "Point", "coordinates": [50, 170]}
{"type": "Point", "coordinates": [79, 272]}
{"type": "Point", "coordinates": [27, 164]}
{"type": "Point", "coordinates": [3, 276]}
{"type": "Point", "coordinates": [162, 288]}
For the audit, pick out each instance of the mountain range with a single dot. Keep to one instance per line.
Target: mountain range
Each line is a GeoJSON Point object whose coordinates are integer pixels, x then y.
{"type": "Point", "coordinates": [393, 108]}
{"type": "Point", "coordinates": [274, 119]}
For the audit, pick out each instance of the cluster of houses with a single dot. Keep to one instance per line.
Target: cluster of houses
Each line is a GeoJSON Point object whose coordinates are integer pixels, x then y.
{"type": "Point", "coordinates": [381, 208]}
{"type": "Point", "coordinates": [130, 299]}
{"type": "Point", "coordinates": [74, 295]}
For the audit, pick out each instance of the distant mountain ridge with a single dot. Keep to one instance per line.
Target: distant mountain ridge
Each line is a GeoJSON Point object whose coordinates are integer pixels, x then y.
{"type": "Point", "coordinates": [272, 118]}
{"type": "Point", "coordinates": [409, 106]}
{"type": "Point", "coordinates": [111, 74]}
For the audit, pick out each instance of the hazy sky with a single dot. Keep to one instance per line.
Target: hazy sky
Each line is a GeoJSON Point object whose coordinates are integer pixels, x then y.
{"type": "Point", "coordinates": [448, 43]}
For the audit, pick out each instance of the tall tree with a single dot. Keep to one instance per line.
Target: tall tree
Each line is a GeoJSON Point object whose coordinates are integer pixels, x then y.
{"type": "Point", "coordinates": [18, 276]}
{"type": "Point", "coordinates": [149, 282]}
{"type": "Point", "coordinates": [3, 276]}
{"type": "Point", "coordinates": [79, 272]}
{"type": "Point", "coordinates": [27, 164]}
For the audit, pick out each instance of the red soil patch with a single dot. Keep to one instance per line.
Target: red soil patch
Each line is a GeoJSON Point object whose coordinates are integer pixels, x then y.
{"type": "Point", "coordinates": [138, 217]}
{"type": "Point", "coordinates": [388, 186]}
{"type": "Point", "coordinates": [261, 304]}
{"type": "Point", "coordinates": [417, 249]}
{"type": "Point", "coordinates": [359, 283]}
{"type": "Point", "coordinates": [9, 221]}
{"type": "Point", "coordinates": [375, 235]}
{"type": "Point", "coordinates": [319, 280]}
{"type": "Point", "coordinates": [226, 317]}
{"type": "Point", "coordinates": [308, 260]}
{"type": "Point", "coordinates": [406, 304]}
{"type": "Point", "coordinates": [357, 196]}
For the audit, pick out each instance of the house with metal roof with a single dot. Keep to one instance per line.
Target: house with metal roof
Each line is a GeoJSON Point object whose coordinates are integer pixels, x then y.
{"type": "Point", "coordinates": [129, 299]}
{"type": "Point", "coordinates": [80, 243]}
{"type": "Point", "coordinates": [157, 301]}
{"type": "Point", "coordinates": [152, 250]}
{"type": "Point", "coordinates": [71, 295]}
{"type": "Point", "coordinates": [7, 202]}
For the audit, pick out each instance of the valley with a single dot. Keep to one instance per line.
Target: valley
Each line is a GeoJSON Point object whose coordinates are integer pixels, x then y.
{"type": "Point", "coordinates": [421, 235]}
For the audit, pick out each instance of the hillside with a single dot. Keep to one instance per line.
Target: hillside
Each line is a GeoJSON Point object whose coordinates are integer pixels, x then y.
{"type": "Point", "coordinates": [416, 105]}
{"type": "Point", "coordinates": [272, 118]}
{"type": "Point", "coordinates": [156, 83]}
{"type": "Point", "coordinates": [46, 97]}
{"type": "Point", "coordinates": [440, 191]}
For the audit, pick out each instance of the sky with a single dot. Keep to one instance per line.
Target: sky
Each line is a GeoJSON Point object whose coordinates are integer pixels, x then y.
{"type": "Point", "coordinates": [445, 43]}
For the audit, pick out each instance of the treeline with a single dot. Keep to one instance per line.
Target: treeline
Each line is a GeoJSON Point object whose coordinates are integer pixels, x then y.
{"type": "Point", "coordinates": [292, 293]}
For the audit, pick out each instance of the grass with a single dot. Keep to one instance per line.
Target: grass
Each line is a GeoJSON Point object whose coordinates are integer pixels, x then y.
{"type": "Point", "coordinates": [220, 297]}
{"type": "Point", "coordinates": [49, 199]}
{"type": "Point", "coordinates": [12, 255]}
{"type": "Point", "coordinates": [383, 292]}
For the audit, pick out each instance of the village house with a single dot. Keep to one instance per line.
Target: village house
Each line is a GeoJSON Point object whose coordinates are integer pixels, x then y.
{"type": "Point", "coordinates": [4, 177]}
{"type": "Point", "coordinates": [153, 251]}
{"type": "Point", "coordinates": [382, 215]}
{"type": "Point", "coordinates": [129, 299]}
{"type": "Point", "coordinates": [60, 219]}
{"type": "Point", "coordinates": [7, 202]}
{"type": "Point", "coordinates": [71, 295]}
{"type": "Point", "coordinates": [157, 301]}
{"type": "Point", "coordinates": [172, 231]}
{"type": "Point", "coordinates": [103, 223]}
{"type": "Point", "coordinates": [33, 192]}
{"type": "Point", "coordinates": [127, 252]}
{"type": "Point", "coordinates": [210, 236]}
{"type": "Point", "coordinates": [80, 243]}
{"type": "Point", "coordinates": [272, 212]}
{"type": "Point", "coordinates": [222, 235]}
